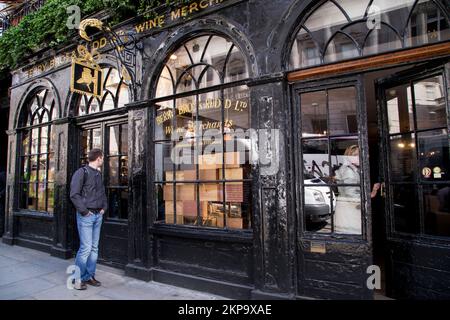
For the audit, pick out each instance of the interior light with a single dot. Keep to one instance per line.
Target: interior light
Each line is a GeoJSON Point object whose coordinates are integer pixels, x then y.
{"type": "Point", "coordinates": [173, 57]}
{"type": "Point", "coordinates": [401, 145]}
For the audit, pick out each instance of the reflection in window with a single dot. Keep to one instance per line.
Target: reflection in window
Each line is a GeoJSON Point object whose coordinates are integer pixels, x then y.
{"type": "Point", "coordinates": [419, 156]}
{"type": "Point", "coordinates": [331, 162]}
{"type": "Point", "coordinates": [345, 29]}
{"type": "Point", "coordinates": [202, 166]}
{"type": "Point", "coordinates": [115, 94]}
{"type": "Point", "coordinates": [37, 155]}
{"type": "Point", "coordinates": [115, 164]}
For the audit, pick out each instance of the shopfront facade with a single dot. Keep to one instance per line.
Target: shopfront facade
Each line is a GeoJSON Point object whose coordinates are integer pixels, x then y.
{"type": "Point", "coordinates": [241, 153]}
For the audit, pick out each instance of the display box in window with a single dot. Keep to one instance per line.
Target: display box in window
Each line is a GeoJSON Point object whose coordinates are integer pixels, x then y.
{"type": "Point", "coordinates": [215, 161]}
{"type": "Point", "coordinates": [184, 192]}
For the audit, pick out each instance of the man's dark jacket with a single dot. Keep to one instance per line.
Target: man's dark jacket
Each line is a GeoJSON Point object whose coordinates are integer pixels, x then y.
{"type": "Point", "coordinates": [87, 190]}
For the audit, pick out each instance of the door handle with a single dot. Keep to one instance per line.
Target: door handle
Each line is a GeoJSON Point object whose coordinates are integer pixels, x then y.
{"type": "Point", "coordinates": [383, 190]}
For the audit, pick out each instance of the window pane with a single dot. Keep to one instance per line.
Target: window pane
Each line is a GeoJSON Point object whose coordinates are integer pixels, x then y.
{"type": "Point", "coordinates": [44, 140]}
{"type": "Point", "coordinates": [97, 138]}
{"type": "Point", "coordinates": [114, 139]}
{"type": "Point", "coordinates": [26, 143]}
{"type": "Point", "coordinates": [314, 114]}
{"type": "Point", "coordinates": [197, 46]}
{"type": "Point", "coordinates": [212, 207]}
{"type": "Point", "coordinates": [394, 13]}
{"type": "Point", "coordinates": [124, 139]}
{"type": "Point", "coordinates": [380, 40]}
{"type": "Point", "coordinates": [216, 55]}
{"type": "Point", "coordinates": [427, 25]}
{"type": "Point", "coordinates": [304, 52]}
{"type": "Point", "coordinates": [32, 196]}
{"type": "Point", "coordinates": [42, 197]}
{"type": "Point", "coordinates": [186, 203]}
{"type": "Point", "coordinates": [163, 121]}
{"type": "Point", "coordinates": [51, 167]}
{"type": "Point", "coordinates": [437, 210]}
{"type": "Point", "coordinates": [345, 160]}
{"type": "Point", "coordinates": [85, 143]}
{"type": "Point", "coordinates": [434, 155]}
{"type": "Point", "coordinates": [163, 162]}
{"type": "Point", "coordinates": [165, 84]}
{"type": "Point", "coordinates": [108, 102]}
{"type": "Point", "coordinates": [238, 200]}
{"type": "Point", "coordinates": [210, 112]}
{"type": "Point", "coordinates": [34, 141]}
{"type": "Point", "coordinates": [34, 167]}
{"type": "Point", "coordinates": [186, 117]}
{"type": "Point", "coordinates": [340, 48]}
{"type": "Point", "coordinates": [342, 104]}
{"type": "Point", "coordinates": [355, 9]}
{"type": "Point", "coordinates": [406, 208]}
{"type": "Point", "coordinates": [347, 217]}
{"type": "Point", "coordinates": [83, 106]}
{"type": "Point", "coordinates": [400, 109]}
{"type": "Point", "coordinates": [236, 68]}
{"type": "Point", "coordinates": [43, 168]}
{"type": "Point", "coordinates": [124, 95]}
{"type": "Point", "coordinates": [326, 20]}
{"type": "Point", "coordinates": [430, 103]}
{"type": "Point", "coordinates": [113, 167]}
{"type": "Point", "coordinates": [237, 108]}
{"type": "Point", "coordinates": [403, 158]}
{"type": "Point", "coordinates": [124, 171]}
{"type": "Point", "coordinates": [94, 105]}
{"type": "Point", "coordinates": [319, 206]}
{"type": "Point", "coordinates": [50, 197]}
{"type": "Point", "coordinates": [25, 169]}
{"type": "Point", "coordinates": [315, 159]}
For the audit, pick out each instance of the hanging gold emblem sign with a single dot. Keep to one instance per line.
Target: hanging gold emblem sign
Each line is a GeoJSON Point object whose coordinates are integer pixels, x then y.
{"type": "Point", "coordinates": [86, 75]}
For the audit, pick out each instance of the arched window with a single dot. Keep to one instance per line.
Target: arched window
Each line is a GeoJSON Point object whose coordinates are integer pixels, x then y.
{"type": "Point", "coordinates": [115, 94]}
{"type": "Point", "coordinates": [37, 156]}
{"type": "Point", "coordinates": [202, 105]}
{"type": "Point", "coordinates": [344, 29]}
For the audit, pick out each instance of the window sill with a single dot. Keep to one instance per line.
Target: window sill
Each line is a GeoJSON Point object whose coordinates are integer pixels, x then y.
{"type": "Point", "coordinates": [209, 234]}
{"type": "Point", "coordinates": [33, 214]}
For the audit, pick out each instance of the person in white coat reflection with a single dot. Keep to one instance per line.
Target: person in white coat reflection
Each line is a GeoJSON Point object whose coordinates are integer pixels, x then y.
{"type": "Point", "coordinates": [347, 218]}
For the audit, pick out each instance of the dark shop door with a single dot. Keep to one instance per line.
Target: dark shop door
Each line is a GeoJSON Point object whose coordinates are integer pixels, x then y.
{"type": "Point", "coordinates": [112, 138]}
{"type": "Point", "coordinates": [415, 126]}
{"type": "Point", "coordinates": [331, 161]}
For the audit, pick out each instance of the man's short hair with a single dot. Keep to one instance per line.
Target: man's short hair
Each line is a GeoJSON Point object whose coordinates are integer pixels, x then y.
{"type": "Point", "coordinates": [94, 154]}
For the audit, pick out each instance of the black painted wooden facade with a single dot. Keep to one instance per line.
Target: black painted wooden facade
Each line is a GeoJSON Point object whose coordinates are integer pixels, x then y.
{"type": "Point", "coordinates": [275, 258]}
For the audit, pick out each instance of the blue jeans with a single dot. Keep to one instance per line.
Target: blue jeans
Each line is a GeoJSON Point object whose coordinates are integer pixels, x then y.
{"type": "Point", "coordinates": [89, 233]}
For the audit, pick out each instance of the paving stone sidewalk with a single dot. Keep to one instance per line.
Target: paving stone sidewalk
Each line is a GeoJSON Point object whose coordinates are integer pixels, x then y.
{"type": "Point", "coordinates": [33, 275]}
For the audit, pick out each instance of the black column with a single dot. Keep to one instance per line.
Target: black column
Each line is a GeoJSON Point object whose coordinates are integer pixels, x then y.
{"type": "Point", "coordinates": [274, 257]}
{"type": "Point", "coordinates": [65, 154]}
{"type": "Point", "coordinates": [139, 255]}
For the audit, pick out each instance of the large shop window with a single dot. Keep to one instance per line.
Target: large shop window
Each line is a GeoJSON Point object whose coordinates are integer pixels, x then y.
{"type": "Point", "coordinates": [37, 155]}
{"type": "Point", "coordinates": [115, 94]}
{"type": "Point", "coordinates": [332, 185]}
{"type": "Point", "coordinates": [202, 172]}
{"type": "Point", "coordinates": [344, 29]}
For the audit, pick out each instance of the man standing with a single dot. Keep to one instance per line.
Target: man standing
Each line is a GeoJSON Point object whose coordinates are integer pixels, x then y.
{"type": "Point", "coordinates": [87, 193]}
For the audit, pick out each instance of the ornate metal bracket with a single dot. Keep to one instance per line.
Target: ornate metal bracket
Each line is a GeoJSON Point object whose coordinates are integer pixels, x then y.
{"type": "Point", "coordinates": [125, 49]}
